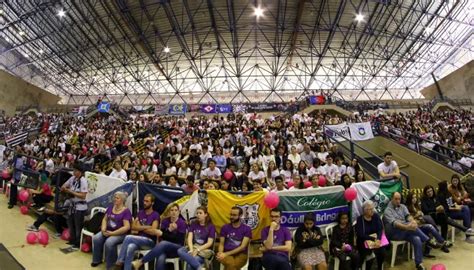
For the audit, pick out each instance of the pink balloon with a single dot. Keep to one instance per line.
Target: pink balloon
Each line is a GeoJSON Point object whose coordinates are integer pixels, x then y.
{"type": "Point", "coordinates": [350, 194]}
{"type": "Point", "coordinates": [348, 248]}
{"type": "Point", "coordinates": [290, 184]}
{"type": "Point", "coordinates": [24, 209]}
{"type": "Point", "coordinates": [24, 195]}
{"type": "Point", "coordinates": [86, 247]}
{"type": "Point", "coordinates": [5, 174]}
{"type": "Point", "coordinates": [307, 184]}
{"type": "Point", "coordinates": [43, 237]}
{"type": "Point", "coordinates": [271, 200]}
{"type": "Point", "coordinates": [322, 181]}
{"type": "Point", "coordinates": [438, 266]}
{"type": "Point", "coordinates": [31, 238]}
{"type": "Point", "coordinates": [65, 235]}
{"type": "Point", "coordinates": [228, 175]}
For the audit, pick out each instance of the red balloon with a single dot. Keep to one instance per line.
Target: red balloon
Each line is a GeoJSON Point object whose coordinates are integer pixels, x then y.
{"type": "Point", "coordinates": [5, 174]}
{"type": "Point", "coordinates": [24, 195]}
{"type": "Point", "coordinates": [228, 175]}
{"type": "Point", "coordinates": [65, 235]}
{"type": "Point", "coordinates": [322, 181]}
{"type": "Point", "coordinates": [43, 237]}
{"type": "Point", "coordinates": [438, 266]}
{"type": "Point", "coordinates": [31, 238]}
{"type": "Point", "coordinates": [350, 194]}
{"type": "Point", "coordinates": [290, 184]}
{"type": "Point", "coordinates": [86, 247]}
{"type": "Point", "coordinates": [307, 184]}
{"type": "Point", "coordinates": [271, 200]}
{"type": "Point", "coordinates": [24, 209]}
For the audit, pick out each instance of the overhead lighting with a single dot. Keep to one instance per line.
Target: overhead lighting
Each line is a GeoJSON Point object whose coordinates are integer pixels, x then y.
{"type": "Point", "coordinates": [166, 49]}
{"type": "Point", "coordinates": [25, 55]}
{"type": "Point", "coordinates": [21, 33]}
{"type": "Point", "coordinates": [359, 17]}
{"type": "Point", "coordinates": [428, 30]}
{"type": "Point", "coordinates": [1, 11]}
{"type": "Point", "coordinates": [61, 13]}
{"type": "Point", "coordinates": [41, 51]}
{"type": "Point", "coordinates": [258, 12]}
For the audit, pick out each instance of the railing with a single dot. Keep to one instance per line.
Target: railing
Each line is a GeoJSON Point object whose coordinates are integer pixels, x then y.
{"type": "Point", "coordinates": [369, 164]}
{"type": "Point", "coordinates": [437, 152]}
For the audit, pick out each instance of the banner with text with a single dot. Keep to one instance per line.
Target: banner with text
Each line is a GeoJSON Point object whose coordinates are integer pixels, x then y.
{"type": "Point", "coordinates": [337, 132]}
{"type": "Point", "coordinates": [325, 203]}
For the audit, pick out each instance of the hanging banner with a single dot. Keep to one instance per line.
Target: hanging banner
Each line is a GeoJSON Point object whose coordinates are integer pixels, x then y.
{"type": "Point", "coordinates": [103, 107]}
{"type": "Point", "coordinates": [224, 108]}
{"type": "Point", "coordinates": [161, 109]}
{"type": "Point", "coordinates": [378, 192]}
{"type": "Point", "coordinates": [361, 131]}
{"type": "Point", "coordinates": [337, 132]}
{"type": "Point", "coordinates": [239, 108]}
{"type": "Point", "coordinates": [102, 189]}
{"type": "Point", "coordinates": [163, 195]}
{"type": "Point", "coordinates": [177, 109]}
{"type": "Point", "coordinates": [209, 108]}
{"type": "Point", "coordinates": [325, 203]}
{"type": "Point", "coordinates": [317, 100]}
{"type": "Point", "coordinates": [255, 214]}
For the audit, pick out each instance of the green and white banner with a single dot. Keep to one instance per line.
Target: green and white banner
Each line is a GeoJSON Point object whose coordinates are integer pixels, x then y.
{"type": "Point", "coordinates": [378, 192]}
{"type": "Point", "coordinates": [325, 203]}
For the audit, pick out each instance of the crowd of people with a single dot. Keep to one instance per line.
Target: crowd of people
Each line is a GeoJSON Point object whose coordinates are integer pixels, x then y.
{"type": "Point", "coordinates": [286, 152]}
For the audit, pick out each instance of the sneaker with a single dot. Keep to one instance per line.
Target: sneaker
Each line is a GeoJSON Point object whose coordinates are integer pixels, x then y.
{"type": "Point", "coordinates": [32, 228]}
{"type": "Point", "coordinates": [445, 249]}
{"type": "Point", "coordinates": [429, 256]}
{"type": "Point", "coordinates": [74, 248]}
{"type": "Point", "coordinates": [41, 209]}
{"type": "Point", "coordinates": [10, 206]}
{"type": "Point", "coordinates": [95, 264]}
{"type": "Point", "coordinates": [448, 244]}
{"type": "Point", "coordinates": [433, 244]}
{"type": "Point", "coordinates": [420, 267]}
{"type": "Point", "coordinates": [470, 232]}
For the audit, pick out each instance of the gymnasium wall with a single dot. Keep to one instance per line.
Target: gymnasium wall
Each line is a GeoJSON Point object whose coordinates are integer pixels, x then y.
{"type": "Point", "coordinates": [457, 85]}
{"type": "Point", "coordinates": [16, 92]}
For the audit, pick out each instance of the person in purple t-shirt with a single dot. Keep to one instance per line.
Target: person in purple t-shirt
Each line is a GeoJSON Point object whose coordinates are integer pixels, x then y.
{"type": "Point", "coordinates": [172, 232]}
{"type": "Point", "coordinates": [276, 244]}
{"type": "Point", "coordinates": [143, 233]}
{"type": "Point", "coordinates": [200, 239]}
{"type": "Point", "coordinates": [234, 241]}
{"type": "Point", "coordinates": [115, 226]}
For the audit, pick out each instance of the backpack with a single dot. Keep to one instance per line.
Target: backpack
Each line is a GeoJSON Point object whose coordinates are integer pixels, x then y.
{"type": "Point", "coordinates": [95, 223]}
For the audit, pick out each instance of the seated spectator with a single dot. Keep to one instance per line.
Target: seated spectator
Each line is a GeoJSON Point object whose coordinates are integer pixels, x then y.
{"type": "Point", "coordinates": [234, 240]}
{"type": "Point", "coordinates": [189, 187]}
{"type": "Point", "coordinates": [468, 182]}
{"type": "Point", "coordinates": [221, 160]}
{"type": "Point", "coordinates": [457, 191]}
{"type": "Point", "coordinates": [297, 183]}
{"type": "Point", "coordinates": [279, 184]}
{"type": "Point", "coordinates": [115, 226]}
{"type": "Point", "coordinates": [200, 241]}
{"type": "Point", "coordinates": [400, 225]}
{"type": "Point", "coordinates": [168, 168]}
{"type": "Point", "coordinates": [360, 176]}
{"type": "Point", "coordinates": [342, 243]}
{"type": "Point", "coordinates": [331, 171]}
{"type": "Point", "coordinates": [388, 169]}
{"type": "Point", "coordinates": [369, 229]}
{"type": "Point", "coordinates": [58, 217]}
{"type": "Point", "coordinates": [212, 172]}
{"type": "Point", "coordinates": [276, 244]}
{"type": "Point", "coordinates": [302, 170]}
{"type": "Point", "coordinates": [272, 173]}
{"type": "Point", "coordinates": [171, 233]}
{"type": "Point", "coordinates": [353, 168]}
{"type": "Point", "coordinates": [183, 171]}
{"type": "Point", "coordinates": [309, 244]}
{"type": "Point", "coordinates": [342, 168]}
{"type": "Point", "coordinates": [346, 181]}
{"type": "Point", "coordinates": [455, 211]}
{"type": "Point", "coordinates": [256, 175]}
{"type": "Point", "coordinates": [118, 172]}
{"type": "Point", "coordinates": [288, 172]}
{"type": "Point", "coordinates": [173, 181]}
{"type": "Point", "coordinates": [143, 233]}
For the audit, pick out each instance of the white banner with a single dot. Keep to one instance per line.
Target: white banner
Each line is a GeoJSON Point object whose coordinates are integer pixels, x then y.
{"type": "Point", "coordinates": [337, 131]}
{"type": "Point", "coordinates": [361, 131]}
{"type": "Point", "coordinates": [100, 185]}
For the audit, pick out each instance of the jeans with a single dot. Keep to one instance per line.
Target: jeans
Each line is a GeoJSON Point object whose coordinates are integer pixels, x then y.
{"type": "Point", "coordinates": [430, 229]}
{"type": "Point", "coordinates": [194, 262]}
{"type": "Point", "coordinates": [75, 222]}
{"type": "Point", "coordinates": [161, 252]}
{"type": "Point", "coordinates": [110, 243]}
{"type": "Point", "coordinates": [416, 238]}
{"type": "Point", "coordinates": [274, 261]}
{"type": "Point", "coordinates": [130, 244]}
{"type": "Point", "coordinates": [464, 215]}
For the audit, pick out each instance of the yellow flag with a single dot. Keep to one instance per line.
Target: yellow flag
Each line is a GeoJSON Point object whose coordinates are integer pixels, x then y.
{"type": "Point", "coordinates": [255, 214]}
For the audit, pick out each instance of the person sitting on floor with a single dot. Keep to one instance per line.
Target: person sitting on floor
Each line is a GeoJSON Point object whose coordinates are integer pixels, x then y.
{"type": "Point", "coordinates": [172, 232]}
{"type": "Point", "coordinates": [115, 226]}
{"type": "Point", "coordinates": [143, 233]}
{"type": "Point", "coordinates": [309, 244]}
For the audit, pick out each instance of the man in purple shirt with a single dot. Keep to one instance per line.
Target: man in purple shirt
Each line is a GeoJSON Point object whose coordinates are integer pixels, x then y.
{"type": "Point", "coordinates": [143, 229]}
{"type": "Point", "coordinates": [276, 244]}
{"type": "Point", "coordinates": [234, 241]}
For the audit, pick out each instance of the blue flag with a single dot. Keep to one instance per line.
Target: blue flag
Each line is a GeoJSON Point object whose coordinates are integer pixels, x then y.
{"type": "Point", "coordinates": [103, 107]}
{"type": "Point", "coordinates": [224, 108]}
{"type": "Point", "coordinates": [210, 108]}
{"type": "Point", "coordinates": [177, 109]}
{"type": "Point", "coordinates": [163, 195]}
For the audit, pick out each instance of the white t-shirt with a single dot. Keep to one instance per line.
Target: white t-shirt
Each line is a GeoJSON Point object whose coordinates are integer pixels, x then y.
{"type": "Point", "coordinates": [332, 173]}
{"type": "Point", "coordinates": [122, 174]}
{"type": "Point", "coordinates": [294, 158]}
{"type": "Point", "coordinates": [216, 173]}
{"type": "Point", "coordinates": [314, 171]}
{"type": "Point", "coordinates": [254, 176]}
{"type": "Point", "coordinates": [387, 169]}
{"type": "Point", "coordinates": [184, 172]}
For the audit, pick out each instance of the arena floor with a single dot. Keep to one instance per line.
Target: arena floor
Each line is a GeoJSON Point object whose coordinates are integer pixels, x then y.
{"type": "Point", "coordinates": [33, 257]}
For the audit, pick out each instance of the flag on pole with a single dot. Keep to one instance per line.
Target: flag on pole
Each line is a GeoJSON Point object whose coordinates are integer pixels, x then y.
{"type": "Point", "coordinates": [361, 131]}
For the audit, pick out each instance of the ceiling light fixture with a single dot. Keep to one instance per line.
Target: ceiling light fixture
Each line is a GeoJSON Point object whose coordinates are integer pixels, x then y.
{"type": "Point", "coordinates": [359, 17]}
{"type": "Point", "coordinates": [166, 49]}
{"type": "Point", "coordinates": [41, 51]}
{"type": "Point", "coordinates": [61, 13]}
{"type": "Point", "coordinates": [21, 33]}
{"type": "Point", "coordinates": [258, 12]}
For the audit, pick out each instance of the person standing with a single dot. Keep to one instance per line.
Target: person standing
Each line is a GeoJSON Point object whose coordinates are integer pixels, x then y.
{"type": "Point", "coordinates": [276, 244]}
{"type": "Point", "coordinates": [76, 187]}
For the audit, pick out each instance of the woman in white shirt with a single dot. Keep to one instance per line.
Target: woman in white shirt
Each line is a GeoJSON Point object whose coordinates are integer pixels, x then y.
{"type": "Point", "coordinates": [272, 173]}
{"type": "Point", "coordinates": [267, 158]}
{"type": "Point", "coordinates": [255, 158]}
{"type": "Point", "coordinates": [294, 156]}
{"type": "Point", "coordinates": [316, 169]}
{"type": "Point", "coordinates": [256, 175]}
{"type": "Point", "coordinates": [118, 172]}
{"type": "Point", "coordinates": [353, 168]}
{"type": "Point", "coordinates": [184, 171]}
{"type": "Point", "coordinates": [288, 172]}
{"type": "Point", "coordinates": [168, 169]}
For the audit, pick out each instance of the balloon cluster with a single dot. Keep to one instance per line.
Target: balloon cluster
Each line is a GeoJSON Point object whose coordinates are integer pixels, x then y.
{"type": "Point", "coordinates": [41, 237]}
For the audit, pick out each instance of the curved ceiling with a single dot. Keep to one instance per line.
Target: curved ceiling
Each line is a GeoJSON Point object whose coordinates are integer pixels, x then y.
{"type": "Point", "coordinates": [188, 49]}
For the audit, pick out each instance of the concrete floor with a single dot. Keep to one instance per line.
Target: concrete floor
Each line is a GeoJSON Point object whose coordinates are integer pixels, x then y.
{"type": "Point", "coordinates": [33, 257]}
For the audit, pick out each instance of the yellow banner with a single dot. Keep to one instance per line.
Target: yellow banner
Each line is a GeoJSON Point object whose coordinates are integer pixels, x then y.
{"type": "Point", "coordinates": [255, 214]}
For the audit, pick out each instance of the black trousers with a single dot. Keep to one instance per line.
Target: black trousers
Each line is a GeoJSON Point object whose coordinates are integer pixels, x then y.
{"type": "Point", "coordinates": [59, 221]}
{"type": "Point", "coordinates": [41, 199]}
{"type": "Point", "coordinates": [443, 221]}
{"type": "Point", "coordinates": [75, 222]}
{"type": "Point", "coordinates": [379, 256]}
{"type": "Point", "coordinates": [13, 194]}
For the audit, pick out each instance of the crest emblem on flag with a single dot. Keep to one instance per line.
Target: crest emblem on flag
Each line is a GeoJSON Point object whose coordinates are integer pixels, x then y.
{"type": "Point", "coordinates": [380, 201]}
{"type": "Point", "coordinates": [361, 131]}
{"type": "Point", "coordinates": [208, 108]}
{"type": "Point", "coordinates": [250, 214]}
